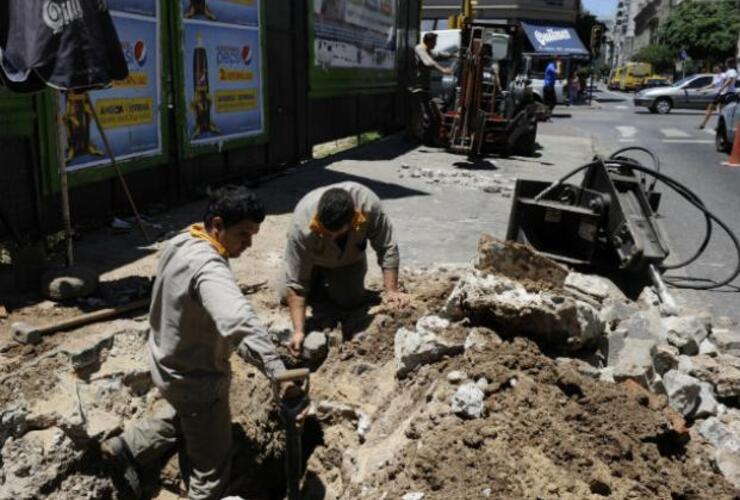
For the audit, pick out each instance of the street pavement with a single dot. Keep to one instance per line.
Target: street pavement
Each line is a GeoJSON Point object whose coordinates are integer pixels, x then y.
{"type": "Point", "coordinates": [686, 154]}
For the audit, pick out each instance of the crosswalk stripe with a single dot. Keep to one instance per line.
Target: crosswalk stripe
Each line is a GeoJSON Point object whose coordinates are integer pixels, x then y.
{"type": "Point", "coordinates": [674, 133]}
{"type": "Point", "coordinates": [688, 141]}
{"type": "Point", "coordinates": [709, 131]}
{"type": "Point", "coordinates": [621, 107]}
{"type": "Point", "coordinates": [626, 131]}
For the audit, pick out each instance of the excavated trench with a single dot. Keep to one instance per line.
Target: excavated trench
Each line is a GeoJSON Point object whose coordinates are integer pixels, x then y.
{"type": "Point", "coordinates": [544, 428]}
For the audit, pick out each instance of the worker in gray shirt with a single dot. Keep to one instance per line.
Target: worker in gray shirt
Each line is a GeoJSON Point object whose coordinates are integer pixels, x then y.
{"type": "Point", "coordinates": [425, 60]}
{"type": "Point", "coordinates": [198, 317]}
{"type": "Point", "coordinates": [329, 233]}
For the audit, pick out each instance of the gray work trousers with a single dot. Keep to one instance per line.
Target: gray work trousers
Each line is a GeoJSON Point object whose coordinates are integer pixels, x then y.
{"type": "Point", "coordinates": [345, 286]}
{"type": "Point", "coordinates": [206, 431]}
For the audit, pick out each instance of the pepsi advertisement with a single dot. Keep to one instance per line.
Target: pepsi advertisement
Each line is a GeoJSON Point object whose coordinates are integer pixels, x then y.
{"type": "Point", "coordinates": [244, 12]}
{"type": "Point", "coordinates": [223, 81]}
{"type": "Point", "coordinates": [129, 111]}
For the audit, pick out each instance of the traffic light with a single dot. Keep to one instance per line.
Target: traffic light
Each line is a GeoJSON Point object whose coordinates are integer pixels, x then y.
{"type": "Point", "coordinates": [596, 32]}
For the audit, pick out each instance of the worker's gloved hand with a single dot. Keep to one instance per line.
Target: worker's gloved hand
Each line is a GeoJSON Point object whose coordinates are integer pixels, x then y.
{"type": "Point", "coordinates": [296, 344]}
{"type": "Point", "coordinates": [396, 298]}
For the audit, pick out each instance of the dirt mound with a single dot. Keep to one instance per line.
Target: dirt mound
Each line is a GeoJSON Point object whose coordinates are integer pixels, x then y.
{"type": "Point", "coordinates": [545, 430]}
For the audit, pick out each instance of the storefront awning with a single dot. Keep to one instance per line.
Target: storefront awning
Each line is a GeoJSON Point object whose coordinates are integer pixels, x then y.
{"type": "Point", "coordinates": [554, 40]}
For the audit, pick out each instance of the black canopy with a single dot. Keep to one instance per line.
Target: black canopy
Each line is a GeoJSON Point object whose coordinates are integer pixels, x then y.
{"type": "Point", "coordinates": [67, 44]}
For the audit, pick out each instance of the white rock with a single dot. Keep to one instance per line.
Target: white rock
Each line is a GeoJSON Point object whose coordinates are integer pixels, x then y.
{"type": "Point", "coordinates": [707, 402]}
{"type": "Point", "coordinates": [688, 395]}
{"type": "Point", "coordinates": [686, 333]}
{"type": "Point", "coordinates": [468, 401]}
{"type": "Point", "coordinates": [726, 339]}
{"type": "Point", "coordinates": [707, 347]}
{"type": "Point", "coordinates": [315, 347]}
{"type": "Point", "coordinates": [416, 495]}
{"type": "Point", "coordinates": [413, 348]}
{"type": "Point", "coordinates": [456, 376]}
{"type": "Point", "coordinates": [594, 286]}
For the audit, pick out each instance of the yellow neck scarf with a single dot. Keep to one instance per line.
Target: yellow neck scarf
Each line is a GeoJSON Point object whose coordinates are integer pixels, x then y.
{"type": "Point", "coordinates": [198, 231]}
{"type": "Point", "coordinates": [317, 227]}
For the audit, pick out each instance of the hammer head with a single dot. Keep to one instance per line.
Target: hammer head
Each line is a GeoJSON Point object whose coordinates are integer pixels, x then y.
{"type": "Point", "coordinates": [23, 333]}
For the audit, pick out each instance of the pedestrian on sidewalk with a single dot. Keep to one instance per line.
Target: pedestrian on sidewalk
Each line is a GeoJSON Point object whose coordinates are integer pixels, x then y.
{"type": "Point", "coordinates": [574, 88]}
{"type": "Point", "coordinates": [198, 317]}
{"type": "Point", "coordinates": [551, 75]}
{"type": "Point", "coordinates": [715, 86]}
{"type": "Point", "coordinates": [326, 251]}
{"type": "Point", "coordinates": [425, 60]}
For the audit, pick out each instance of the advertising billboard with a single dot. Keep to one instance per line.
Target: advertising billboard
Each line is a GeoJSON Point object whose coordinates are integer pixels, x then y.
{"type": "Point", "coordinates": [354, 45]}
{"type": "Point", "coordinates": [221, 93]}
{"type": "Point", "coordinates": [244, 12]}
{"type": "Point", "coordinates": [129, 110]}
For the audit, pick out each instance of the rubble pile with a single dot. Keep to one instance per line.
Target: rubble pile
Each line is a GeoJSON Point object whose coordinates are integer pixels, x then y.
{"type": "Point", "coordinates": [511, 378]}
{"type": "Point", "coordinates": [493, 183]}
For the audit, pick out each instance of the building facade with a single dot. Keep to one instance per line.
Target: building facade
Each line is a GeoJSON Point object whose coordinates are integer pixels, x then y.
{"type": "Point", "coordinates": [435, 13]}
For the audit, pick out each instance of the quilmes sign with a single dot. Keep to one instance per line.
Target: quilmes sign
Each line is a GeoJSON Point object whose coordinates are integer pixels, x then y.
{"type": "Point", "coordinates": [551, 35]}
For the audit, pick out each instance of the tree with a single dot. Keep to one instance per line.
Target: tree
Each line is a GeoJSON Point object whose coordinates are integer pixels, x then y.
{"type": "Point", "coordinates": [584, 23]}
{"type": "Point", "coordinates": [661, 57]}
{"type": "Point", "coordinates": [705, 30]}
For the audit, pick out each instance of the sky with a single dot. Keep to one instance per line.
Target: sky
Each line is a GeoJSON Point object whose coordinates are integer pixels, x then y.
{"type": "Point", "coordinates": [601, 8]}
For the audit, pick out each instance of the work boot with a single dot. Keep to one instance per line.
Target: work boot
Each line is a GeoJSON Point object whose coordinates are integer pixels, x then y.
{"type": "Point", "coordinates": [116, 452]}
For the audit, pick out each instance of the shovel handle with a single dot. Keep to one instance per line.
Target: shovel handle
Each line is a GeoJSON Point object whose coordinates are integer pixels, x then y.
{"type": "Point", "coordinates": [290, 375]}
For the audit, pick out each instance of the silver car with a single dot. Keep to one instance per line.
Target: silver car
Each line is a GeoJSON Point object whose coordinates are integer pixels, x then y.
{"type": "Point", "coordinates": [685, 94]}
{"type": "Point", "coordinates": [728, 121]}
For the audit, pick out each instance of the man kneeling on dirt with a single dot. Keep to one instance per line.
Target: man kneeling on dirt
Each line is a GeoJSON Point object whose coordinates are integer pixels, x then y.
{"type": "Point", "coordinates": [327, 239]}
{"type": "Point", "coordinates": [198, 317]}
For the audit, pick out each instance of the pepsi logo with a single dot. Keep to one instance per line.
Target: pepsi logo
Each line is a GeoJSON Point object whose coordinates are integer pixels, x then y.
{"type": "Point", "coordinates": [140, 52]}
{"type": "Point", "coordinates": [247, 54]}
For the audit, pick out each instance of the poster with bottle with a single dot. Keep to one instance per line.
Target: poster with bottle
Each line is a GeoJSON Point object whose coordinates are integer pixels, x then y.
{"type": "Point", "coordinates": [223, 81]}
{"type": "Point", "coordinates": [243, 12]}
{"type": "Point", "coordinates": [129, 110]}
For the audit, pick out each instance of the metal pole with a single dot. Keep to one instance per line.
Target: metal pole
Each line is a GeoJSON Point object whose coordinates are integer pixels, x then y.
{"type": "Point", "coordinates": [109, 152]}
{"type": "Point", "coordinates": [64, 191]}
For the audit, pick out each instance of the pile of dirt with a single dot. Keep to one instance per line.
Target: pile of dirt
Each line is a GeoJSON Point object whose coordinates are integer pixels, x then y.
{"type": "Point", "coordinates": [541, 428]}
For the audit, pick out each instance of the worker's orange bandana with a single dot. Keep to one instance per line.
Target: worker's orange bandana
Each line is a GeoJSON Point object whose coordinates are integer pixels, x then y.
{"type": "Point", "coordinates": [317, 227]}
{"type": "Point", "coordinates": [198, 231]}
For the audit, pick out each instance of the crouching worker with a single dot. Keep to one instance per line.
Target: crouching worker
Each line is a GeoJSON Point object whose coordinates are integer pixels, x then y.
{"type": "Point", "coordinates": [329, 233]}
{"type": "Point", "coordinates": [198, 317]}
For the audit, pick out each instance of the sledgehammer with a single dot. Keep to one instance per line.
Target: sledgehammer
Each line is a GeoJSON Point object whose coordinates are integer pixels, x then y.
{"type": "Point", "coordinates": [292, 404]}
{"type": "Point", "coordinates": [24, 333]}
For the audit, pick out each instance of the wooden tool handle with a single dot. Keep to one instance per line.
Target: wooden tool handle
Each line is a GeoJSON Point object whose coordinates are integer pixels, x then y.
{"type": "Point", "coordinates": [289, 375]}
{"type": "Point", "coordinates": [93, 316]}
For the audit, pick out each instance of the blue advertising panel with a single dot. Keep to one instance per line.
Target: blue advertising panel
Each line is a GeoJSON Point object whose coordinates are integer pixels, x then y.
{"type": "Point", "coordinates": [554, 40]}
{"type": "Point", "coordinates": [223, 81]}
{"type": "Point", "coordinates": [143, 7]}
{"type": "Point", "coordinates": [223, 11]}
{"type": "Point", "coordinates": [129, 111]}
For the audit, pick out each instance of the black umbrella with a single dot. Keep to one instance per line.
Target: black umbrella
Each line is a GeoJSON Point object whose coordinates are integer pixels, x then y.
{"type": "Point", "coordinates": [70, 45]}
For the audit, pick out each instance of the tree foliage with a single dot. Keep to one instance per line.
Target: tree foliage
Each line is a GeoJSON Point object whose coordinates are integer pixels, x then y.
{"type": "Point", "coordinates": [706, 30]}
{"type": "Point", "coordinates": [661, 57]}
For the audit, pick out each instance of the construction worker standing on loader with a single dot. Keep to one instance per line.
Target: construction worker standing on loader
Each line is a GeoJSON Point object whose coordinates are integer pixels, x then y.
{"type": "Point", "coordinates": [329, 233]}
{"type": "Point", "coordinates": [198, 317]}
{"type": "Point", "coordinates": [425, 58]}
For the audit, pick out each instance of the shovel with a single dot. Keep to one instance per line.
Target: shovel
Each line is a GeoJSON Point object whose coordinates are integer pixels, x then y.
{"type": "Point", "coordinates": [291, 406]}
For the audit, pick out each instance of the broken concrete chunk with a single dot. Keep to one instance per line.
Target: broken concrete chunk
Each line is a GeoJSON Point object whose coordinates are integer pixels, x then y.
{"type": "Point", "coordinates": [415, 495]}
{"type": "Point", "coordinates": [480, 337]}
{"type": "Point", "coordinates": [315, 347]}
{"type": "Point", "coordinates": [595, 286]}
{"type": "Point", "coordinates": [707, 402]}
{"type": "Point", "coordinates": [88, 354]}
{"type": "Point", "coordinates": [543, 315]}
{"type": "Point", "coordinates": [467, 401]}
{"type": "Point", "coordinates": [69, 283]}
{"type": "Point", "coordinates": [684, 392]}
{"type": "Point", "coordinates": [707, 347]}
{"type": "Point", "coordinates": [665, 357]}
{"type": "Point", "coordinates": [424, 345]}
{"type": "Point", "coordinates": [726, 340]}
{"type": "Point", "coordinates": [615, 311]}
{"type": "Point", "coordinates": [727, 462]}
{"type": "Point", "coordinates": [685, 332]}
{"type": "Point", "coordinates": [518, 261]}
{"type": "Point", "coordinates": [718, 434]}
{"type": "Point", "coordinates": [456, 376]}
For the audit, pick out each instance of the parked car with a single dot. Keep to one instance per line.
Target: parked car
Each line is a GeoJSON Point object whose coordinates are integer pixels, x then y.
{"type": "Point", "coordinates": [684, 94]}
{"type": "Point", "coordinates": [728, 121]}
{"type": "Point", "coordinates": [654, 81]}
{"type": "Point", "coordinates": [634, 75]}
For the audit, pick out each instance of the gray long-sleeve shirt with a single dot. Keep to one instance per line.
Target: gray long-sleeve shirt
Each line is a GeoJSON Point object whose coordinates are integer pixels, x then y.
{"type": "Point", "coordinates": [198, 317]}
{"type": "Point", "coordinates": [307, 249]}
